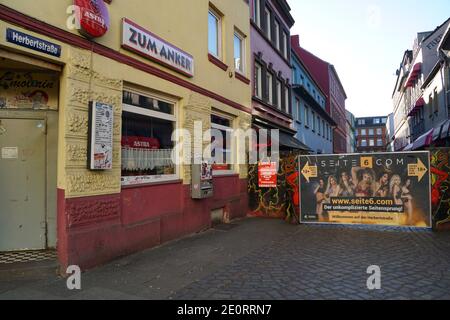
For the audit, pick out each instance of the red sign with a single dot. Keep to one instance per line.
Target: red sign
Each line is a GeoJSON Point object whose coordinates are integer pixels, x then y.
{"type": "Point", "coordinates": [140, 142]}
{"type": "Point", "coordinates": [267, 175]}
{"type": "Point", "coordinates": [93, 17]}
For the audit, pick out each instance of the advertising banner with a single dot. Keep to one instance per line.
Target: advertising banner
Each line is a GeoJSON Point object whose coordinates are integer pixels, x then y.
{"type": "Point", "coordinates": [267, 175]}
{"type": "Point", "coordinates": [377, 188]}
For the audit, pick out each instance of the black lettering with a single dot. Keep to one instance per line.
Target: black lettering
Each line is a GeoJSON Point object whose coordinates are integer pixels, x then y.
{"type": "Point", "coordinates": [163, 52]}
{"type": "Point", "coordinates": [152, 46]}
{"type": "Point", "coordinates": [177, 59]}
{"type": "Point", "coordinates": [142, 39]}
{"type": "Point", "coordinates": [133, 36]}
{"type": "Point", "coordinates": [188, 64]}
{"type": "Point", "coordinates": [171, 55]}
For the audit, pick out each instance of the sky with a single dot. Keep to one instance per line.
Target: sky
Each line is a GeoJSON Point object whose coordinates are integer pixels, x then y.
{"type": "Point", "coordinates": [365, 41]}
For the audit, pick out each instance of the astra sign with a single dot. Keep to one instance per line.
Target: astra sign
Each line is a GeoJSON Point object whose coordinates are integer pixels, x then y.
{"type": "Point", "coordinates": [93, 17]}
{"type": "Point", "coordinates": [150, 46]}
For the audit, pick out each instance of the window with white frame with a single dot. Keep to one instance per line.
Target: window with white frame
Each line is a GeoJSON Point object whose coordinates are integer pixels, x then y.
{"type": "Point", "coordinates": [313, 121]}
{"type": "Point", "coordinates": [363, 143]}
{"type": "Point", "coordinates": [276, 30]}
{"type": "Point", "coordinates": [221, 143]}
{"type": "Point", "coordinates": [268, 24]}
{"type": "Point", "coordinates": [258, 80]}
{"type": "Point", "coordinates": [286, 99]}
{"type": "Point", "coordinates": [379, 142]}
{"type": "Point", "coordinates": [307, 124]}
{"type": "Point", "coordinates": [285, 45]}
{"type": "Point", "coordinates": [371, 143]}
{"type": "Point", "coordinates": [279, 94]}
{"type": "Point", "coordinates": [239, 52]}
{"type": "Point", "coordinates": [363, 132]}
{"type": "Point", "coordinates": [214, 33]}
{"type": "Point", "coordinates": [318, 125]}
{"type": "Point", "coordinates": [257, 12]}
{"type": "Point", "coordinates": [379, 131]}
{"type": "Point", "coordinates": [269, 82]}
{"type": "Point", "coordinates": [297, 111]}
{"type": "Point", "coordinates": [147, 126]}
{"type": "Point", "coordinates": [371, 132]}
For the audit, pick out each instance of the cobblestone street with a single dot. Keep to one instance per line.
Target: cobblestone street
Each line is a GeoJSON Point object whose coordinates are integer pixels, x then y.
{"type": "Point", "coordinates": [266, 259]}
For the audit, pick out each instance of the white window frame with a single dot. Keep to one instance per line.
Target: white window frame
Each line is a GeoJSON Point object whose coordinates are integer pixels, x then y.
{"type": "Point", "coordinates": [363, 143]}
{"type": "Point", "coordinates": [298, 111]}
{"type": "Point", "coordinates": [269, 79]}
{"type": "Point", "coordinates": [285, 44]}
{"type": "Point", "coordinates": [286, 99]}
{"type": "Point", "coordinates": [371, 143]}
{"type": "Point", "coordinates": [233, 143]}
{"type": "Point", "coordinates": [278, 84]}
{"type": "Point", "coordinates": [218, 34]}
{"type": "Point", "coordinates": [379, 131]}
{"type": "Point", "coordinates": [241, 38]}
{"type": "Point", "coordinates": [139, 180]}
{"type": "Point", "coordinates": [268, 16]}
{"type": "Point", "coordinates": [276, 27]}
{"type": "Point", "coordinates": [258, 80]}
{"type": "Point", "coordinates": [257, 12]}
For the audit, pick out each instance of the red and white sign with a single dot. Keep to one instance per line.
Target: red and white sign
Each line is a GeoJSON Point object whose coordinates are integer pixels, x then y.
{"type": "Point", "coordinates": [140, 142]}
{"type": "Point", "coordinates": [150, 46]}
{"type": "Point", "coordinates": [267, 175]}
{"type": "Point", "coordinates": [93, 17]}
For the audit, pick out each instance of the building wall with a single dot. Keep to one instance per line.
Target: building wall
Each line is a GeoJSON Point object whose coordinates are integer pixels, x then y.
{"type": "Point", "coordinates": [337, 108]}
{"type": "Point", "coordinates": [319, 141]}
{"type": "Point", "coordinates": [97, 217]}
{"type": "Point", "coordinates": [363, 133]}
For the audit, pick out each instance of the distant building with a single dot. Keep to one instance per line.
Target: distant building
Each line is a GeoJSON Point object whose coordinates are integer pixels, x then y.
{"type": "Point", "coordinates": [351, 136]}
{"type": "Point", "coordinates": [419, 99]}
{"type": "Point", "coordinates": [390, 133]}
{"type": "Point", "coordinates": [313, 124]}
{"type": "Point", "coordinates": [371, 134]}
{"type": "Point", "coordinates": [328, 79]}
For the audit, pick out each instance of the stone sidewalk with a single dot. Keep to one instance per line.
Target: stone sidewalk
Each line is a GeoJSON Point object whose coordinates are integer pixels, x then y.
{"type": "Point", "coordinates": [265, 259]}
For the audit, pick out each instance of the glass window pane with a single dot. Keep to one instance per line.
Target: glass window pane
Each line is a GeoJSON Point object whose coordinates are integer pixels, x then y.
{"type": "Point", "coordinates": [146, 145]}
{"type": "Point", "coordinates": [237, 53]}
{"type": "Point", "coordinates": [213, 34]}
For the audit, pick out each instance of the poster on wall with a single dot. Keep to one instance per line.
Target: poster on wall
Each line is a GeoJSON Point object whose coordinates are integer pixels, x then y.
{"type": "Point", "coordinates": [28, 90]}
{"type": "Point", "coordinates": [267, 174]}
{"type": "Point", "coordinates": [379, 188]}
{"type": "Point", "coordinates": [101, 127]}
{"type": "Point", "coordinates": [440, 187]}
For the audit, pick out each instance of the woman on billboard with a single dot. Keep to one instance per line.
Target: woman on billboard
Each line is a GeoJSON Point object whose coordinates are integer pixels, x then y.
{"type": "Point", "coordinates": [395, 189]}
{"type": "Point", "coordinates": [319, 192]}
{"type": "Point", "coordinates": [364, 185]}
{"type": "Point", "coordinates": [346, 186]}
{"type": "Point", "coordinates": [382, 186]}
{"type": "Point", "coordinates": [407, 199]}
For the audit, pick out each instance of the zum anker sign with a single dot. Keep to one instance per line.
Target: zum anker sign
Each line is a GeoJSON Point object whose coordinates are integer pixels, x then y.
{"type": "Point", "coordinates": [143, 42]}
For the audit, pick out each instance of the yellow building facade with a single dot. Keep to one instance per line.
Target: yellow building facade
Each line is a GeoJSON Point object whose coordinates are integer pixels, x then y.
{"type": "Point", "coordinates": [51, 73]}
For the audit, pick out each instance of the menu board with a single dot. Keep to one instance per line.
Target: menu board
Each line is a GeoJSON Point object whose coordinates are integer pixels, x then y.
{"type": "Point", "coordinates": [101, 127]}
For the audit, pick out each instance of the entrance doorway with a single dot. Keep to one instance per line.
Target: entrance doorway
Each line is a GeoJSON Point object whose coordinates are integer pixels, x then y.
{"type": "Point", "coordinates": [22, 184]}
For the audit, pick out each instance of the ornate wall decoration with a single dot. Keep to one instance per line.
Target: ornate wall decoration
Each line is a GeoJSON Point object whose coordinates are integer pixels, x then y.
{"type": "Point", "coordinates": [89, 183]}
{"type": "Point", "coordinates": [76, 152]}
{"type": "Point", "coordinates": [88, 211]}
{"type": "Point", "coordinates": [77, 123]}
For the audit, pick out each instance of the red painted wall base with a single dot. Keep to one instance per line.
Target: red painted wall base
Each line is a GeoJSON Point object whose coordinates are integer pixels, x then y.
{"type": "Point", "coordinates": [95, 230]}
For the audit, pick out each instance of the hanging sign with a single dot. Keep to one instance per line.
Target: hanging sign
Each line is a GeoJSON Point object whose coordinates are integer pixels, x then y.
{"type": "Point", "coordinates": [267, 174]}
{"type": "Point", "coordinates": [101, 127]}
{"type": "Point", "coordinates": [93, 17]}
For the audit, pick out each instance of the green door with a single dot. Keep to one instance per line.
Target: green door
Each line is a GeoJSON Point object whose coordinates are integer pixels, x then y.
{"type": "Point", "coordinates": [22, 184]}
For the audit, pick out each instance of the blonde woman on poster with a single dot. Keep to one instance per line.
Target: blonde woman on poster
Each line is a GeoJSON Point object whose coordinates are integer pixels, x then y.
{"type": "Point", "coordinates": [395, 189]}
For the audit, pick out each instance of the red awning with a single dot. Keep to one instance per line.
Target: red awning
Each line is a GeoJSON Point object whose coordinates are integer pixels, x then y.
{"type": "Point", "coordinates": [424, 140]}
{"type": "Point", "coordinates": [415, 71]}
{"type": "Point", "coordinates": [419, 104]}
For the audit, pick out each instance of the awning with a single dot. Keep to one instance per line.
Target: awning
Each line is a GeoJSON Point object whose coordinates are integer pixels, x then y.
{"type": "Point", "coordinates": [413, 74]}
{"type": "Point", "coordinates": [408, 147]}
{"type": "Point", "coordinates": [419, 104]}
{"type": "Point", "coordinates": [424, 140]}
{"type": "Point", "coordinates": [289, 141]}
{"type": "Point", "coordinates": [444, 131]}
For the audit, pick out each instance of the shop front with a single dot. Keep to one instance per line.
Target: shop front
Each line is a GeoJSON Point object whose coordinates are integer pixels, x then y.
{"type": "Point", "coordinates": [92, 143]}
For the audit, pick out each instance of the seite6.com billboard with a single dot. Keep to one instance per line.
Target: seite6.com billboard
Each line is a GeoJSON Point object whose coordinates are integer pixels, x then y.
{"type": "Point", "coordinates": [377, 188]}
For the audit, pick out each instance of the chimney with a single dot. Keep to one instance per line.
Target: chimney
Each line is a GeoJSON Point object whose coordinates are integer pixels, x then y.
{"type": "Point", "coordinates": [295, 41]}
